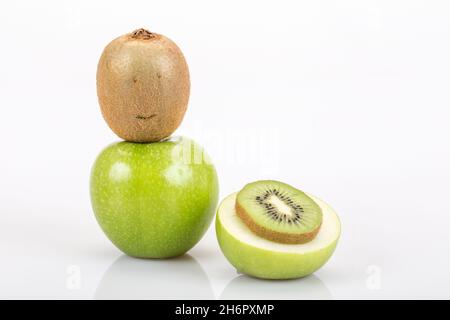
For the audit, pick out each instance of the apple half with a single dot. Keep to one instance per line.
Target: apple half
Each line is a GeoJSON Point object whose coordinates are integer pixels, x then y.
{"type": "Point", "coordinates": [262, 258]}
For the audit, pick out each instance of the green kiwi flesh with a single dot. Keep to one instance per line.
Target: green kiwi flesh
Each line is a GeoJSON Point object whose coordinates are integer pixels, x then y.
{"type": "Point", "coordinates": [279, 212]}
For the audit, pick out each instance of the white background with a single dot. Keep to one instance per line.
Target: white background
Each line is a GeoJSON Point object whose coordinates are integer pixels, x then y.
{"type": "Point", "coordinates": [347, 100]}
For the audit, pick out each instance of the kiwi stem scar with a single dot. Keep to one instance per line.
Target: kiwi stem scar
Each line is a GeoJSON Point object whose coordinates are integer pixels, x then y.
{"type": "Point", "coordinates": [142, 34]}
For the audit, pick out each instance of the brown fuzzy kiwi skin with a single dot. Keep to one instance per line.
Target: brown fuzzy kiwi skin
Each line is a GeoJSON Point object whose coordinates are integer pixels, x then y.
{"type": "Point", "coordinates": [274, 235]}
{"type": "Point", "coordinates": [143, 86]}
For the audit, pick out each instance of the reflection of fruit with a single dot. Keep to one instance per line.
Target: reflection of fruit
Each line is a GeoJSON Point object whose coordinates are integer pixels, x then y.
{"type": "Point", "coordinates": [154, 200]}
{"type": "Point", "coordinates": [143, 86]}
{"type": "Point", "coordinates": [178, 278]}
{"type": "Point", "coordinates": [278, 212]}
{"type": "Point", "coordinates": [262, 258]}
{"type": "Point", "coordinates": [247, 288]}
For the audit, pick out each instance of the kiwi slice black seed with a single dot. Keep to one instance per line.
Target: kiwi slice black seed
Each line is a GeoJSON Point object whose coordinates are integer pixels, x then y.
{"type": "Point", "coordinates": [279, 212]}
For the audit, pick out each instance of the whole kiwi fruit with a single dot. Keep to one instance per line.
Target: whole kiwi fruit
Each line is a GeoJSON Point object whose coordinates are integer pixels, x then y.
{"type": "Point", "coordinates": [143, 86]}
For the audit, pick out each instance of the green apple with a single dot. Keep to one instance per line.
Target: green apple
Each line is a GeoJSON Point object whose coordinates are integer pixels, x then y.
{"type": "Point", "coordinates": [154, 200]}
{"type": "Point", "coordinates": [262, 258]}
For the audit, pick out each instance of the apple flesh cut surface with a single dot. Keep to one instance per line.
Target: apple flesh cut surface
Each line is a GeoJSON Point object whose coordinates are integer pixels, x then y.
{"type": "Point", "coordinates": [262, 258]}
{"type": "Point", "coordinates": [154, 200]}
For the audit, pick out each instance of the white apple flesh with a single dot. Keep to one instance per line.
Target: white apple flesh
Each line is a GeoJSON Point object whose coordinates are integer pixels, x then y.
{"type": "Point", "coordinates": [262, 258]}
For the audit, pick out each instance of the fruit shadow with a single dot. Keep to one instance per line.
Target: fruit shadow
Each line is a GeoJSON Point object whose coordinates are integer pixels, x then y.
{"type": "Point", "coordinates": [247, 288]}
{"type": "Point", "coordinates": [148, 279]}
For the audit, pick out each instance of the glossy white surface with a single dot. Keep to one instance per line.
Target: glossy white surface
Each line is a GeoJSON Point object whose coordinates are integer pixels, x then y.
{"type": "Point", "coordinates": [347, 100]}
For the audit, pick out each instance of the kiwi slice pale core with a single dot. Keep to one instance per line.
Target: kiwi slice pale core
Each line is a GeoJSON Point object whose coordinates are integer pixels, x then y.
{"type": "Point", "coordinates": [279, 212]}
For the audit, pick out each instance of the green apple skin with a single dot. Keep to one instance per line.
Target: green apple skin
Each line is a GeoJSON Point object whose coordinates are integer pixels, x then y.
{"type": "Point", "coordinates": [154, 200]}
{"type": "Point", "coordinates": [265, 264]}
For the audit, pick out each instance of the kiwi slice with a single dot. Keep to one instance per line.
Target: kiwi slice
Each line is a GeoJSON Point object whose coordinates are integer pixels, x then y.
{"type": "Point", "coordinates": [279, 212]}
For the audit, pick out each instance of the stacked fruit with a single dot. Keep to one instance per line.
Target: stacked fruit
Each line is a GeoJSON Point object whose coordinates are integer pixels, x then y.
{"type": "Point", "coordinates": [153, 196]}
{"type": "Point", "coordinates": [271, 230]}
